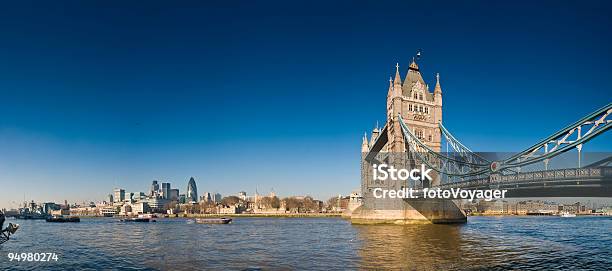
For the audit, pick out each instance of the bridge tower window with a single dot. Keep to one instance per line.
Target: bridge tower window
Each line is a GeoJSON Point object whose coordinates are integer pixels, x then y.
{"type": "Point", "coordinates": [419, 133]}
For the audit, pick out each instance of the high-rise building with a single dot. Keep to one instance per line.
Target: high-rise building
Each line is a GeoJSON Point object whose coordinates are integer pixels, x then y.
{"type": "Point", "coordinates": [192, 191]}
{"type": "Point", "coordinates": [110, 198]}
{"type": "Point", "coordinates": [174, 194]}
{"type": "Point", "coordinates": [119, 195]}
{"type": "Point", "coordinates": [207, 197]}
{"type": "Point", "coordinates": [156, 204]}
{"type": "Point", "coordinates": [242, 195]}
{"type": "Point", "coordinates": [165, 189]}
{"type": "Point", "coordinates": [138, 196]}
{"type": "Point", "coordinates": [129, 196]}
{"type": "Point", "coordinates": [217, 198]}
{"type": "Point", "coordinates": [154, 188]}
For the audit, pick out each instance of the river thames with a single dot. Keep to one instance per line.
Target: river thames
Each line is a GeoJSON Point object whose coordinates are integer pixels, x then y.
{"type": "Point", "coordinates": [525, 243]}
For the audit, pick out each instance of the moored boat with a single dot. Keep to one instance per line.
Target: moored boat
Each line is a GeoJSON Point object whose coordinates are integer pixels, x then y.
{"type": "Point", "coordinates": [221, 220]}
{"type": "Point", "coordinates": [567, 214]}
{"type": "Point", "coordinates": [62, 219]}
{"type": "Point", "coordinates": [136, 219]}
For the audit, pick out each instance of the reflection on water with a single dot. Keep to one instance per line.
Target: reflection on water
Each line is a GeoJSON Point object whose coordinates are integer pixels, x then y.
{"type": "Point", "coordinates": [317, 244]}
{"type": "Point", "coordinates": [409, 246]}
{"type": "Point", "coordinates": [524, 243]}
{"type": "Point", "coordinates": [173, 244]}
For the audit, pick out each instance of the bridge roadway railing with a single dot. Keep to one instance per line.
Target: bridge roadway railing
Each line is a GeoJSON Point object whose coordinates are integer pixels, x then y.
{"type": "Point", "coordinates": [556, 177]}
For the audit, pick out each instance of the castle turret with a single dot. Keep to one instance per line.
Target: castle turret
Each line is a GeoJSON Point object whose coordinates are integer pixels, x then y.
{"type": "Point", "coordinates": [438, 89]}
{"type": "Point", "coordinates": [396, 138]}
{"type": "Point", "coordinates": [437, 100]}
{"type": "Point", "coordinates": [364, 144]}
{"type": "Point", "coordinates": [397, 82]}
{"type": "Point", "coordinates": [375, 134]}
{"type": "Point", "coordinates": [390, 91]}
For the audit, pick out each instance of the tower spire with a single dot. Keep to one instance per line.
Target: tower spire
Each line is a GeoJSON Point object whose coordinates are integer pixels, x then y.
{"type": "Point", "coordinates": [398, 78]}
{"type": "Point", "coordinates": [438, 88]}
{"type": "Point", "coordinates": [413, 65]}
{"type": "Point", "coordinates": [364, 143]}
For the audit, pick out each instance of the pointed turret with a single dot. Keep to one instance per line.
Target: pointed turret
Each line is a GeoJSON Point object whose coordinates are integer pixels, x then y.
{"type": "Point", "coordinates": [438, 100]}
{"type": "Point", "coordinates": [397, 82]}
{"type": "Point", "coordinates": [390, 91]}
{"type": "Point", "coordinates": [413, 76]}
{"type": "Point", "coordinates": [413, 65]}
{"type": "Point", "coordinates": [438, 89]}
{"type": "Point", "coordinates": [398, 78]}
{"type": "Point", "coordinates": [364, 143]}
{"type": "Point", "coordinates": [375, 134]}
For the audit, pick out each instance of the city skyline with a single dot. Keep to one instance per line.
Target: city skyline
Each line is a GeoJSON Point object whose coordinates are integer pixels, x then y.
{"type": "Point", "coordinates": [183, 92]}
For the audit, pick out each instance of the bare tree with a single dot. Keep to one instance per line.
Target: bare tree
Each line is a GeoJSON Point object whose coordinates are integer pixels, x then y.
{"type": "Point", "coordinates": [332, 202]}
{"type": "Point", "coordinates": [270, 202]}
{"type": "Point", "coordinates": [230, 200]}
{"type": "Point", "coordinates": [292, 204]}
{"type": "Point", "coordinates": [275, 202]}
{"type": "Point", "coordinates": [311, 205]}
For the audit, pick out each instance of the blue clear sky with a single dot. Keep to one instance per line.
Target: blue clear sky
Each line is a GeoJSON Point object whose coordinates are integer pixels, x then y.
{"type": "Point", "coordinates": [98, 94]}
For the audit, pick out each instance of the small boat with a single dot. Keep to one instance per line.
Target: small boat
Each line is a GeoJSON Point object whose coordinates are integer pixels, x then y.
{"type": "Point", "coordinates": [136, 219]}
{"type": "Point", "coordinates": [26, 216]}
{"type": "Point", "coordinates": [567, 214]}
{"type": "Point", "coordinates": [221, 220]}
{"type": "Point", "coordinates": [61, 219]}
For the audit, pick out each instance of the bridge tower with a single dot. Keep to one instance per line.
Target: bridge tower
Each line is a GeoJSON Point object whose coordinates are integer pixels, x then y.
{"type": "Point", "coordinates": [421, 110]}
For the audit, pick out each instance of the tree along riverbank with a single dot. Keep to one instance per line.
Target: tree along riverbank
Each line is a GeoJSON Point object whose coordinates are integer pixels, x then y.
{"type": "Point", "coordinates": [288, 215]}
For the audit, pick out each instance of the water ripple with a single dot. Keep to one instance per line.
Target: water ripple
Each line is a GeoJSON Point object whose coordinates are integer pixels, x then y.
{"type": "Point", "coordinates": [524, 243]}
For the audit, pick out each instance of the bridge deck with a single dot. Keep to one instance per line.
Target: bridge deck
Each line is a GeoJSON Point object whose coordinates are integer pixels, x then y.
{"type": "Point", "coordinates": [576, 182]}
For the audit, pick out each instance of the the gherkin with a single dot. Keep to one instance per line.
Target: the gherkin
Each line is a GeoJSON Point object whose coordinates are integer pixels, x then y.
{"type": "Point", "coordinates": [192, 191]}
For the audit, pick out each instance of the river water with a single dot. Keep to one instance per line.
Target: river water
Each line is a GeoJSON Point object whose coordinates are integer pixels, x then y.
{"type": "Point", "coordinates": [524, 243]}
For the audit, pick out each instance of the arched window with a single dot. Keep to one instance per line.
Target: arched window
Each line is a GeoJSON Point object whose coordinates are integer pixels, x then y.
{"type": "Point", "coordinates": [416, 96]}
{"type": "Point", "coordinates": [429, 137]}
{"type": "Point", "coordinates": [410, 107]}
{"type": "Point", "coordinates": [427, 110]}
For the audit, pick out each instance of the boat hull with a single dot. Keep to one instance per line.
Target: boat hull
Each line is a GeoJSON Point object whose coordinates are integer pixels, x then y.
{"type": "Point", "coordinates": [213, 220]}
{"type": "Point", "coordinates": [63, 219]}
{"type": "Point", "coordinates": [136, 220]}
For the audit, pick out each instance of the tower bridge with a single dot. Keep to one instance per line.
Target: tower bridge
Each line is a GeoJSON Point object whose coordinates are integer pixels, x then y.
{"type": "Point", "coordinates": [413, 135]}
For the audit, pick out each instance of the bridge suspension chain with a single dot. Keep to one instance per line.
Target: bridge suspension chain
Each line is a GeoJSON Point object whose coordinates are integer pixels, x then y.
{"type": "Point", "coordinates": [450, 166]}
{"type": "Point", "coordinates": [566, 139]}
{"type": "Point", "coordinates": [461, 149]}
{"type": "Point", "coordinates": [467, 164]}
